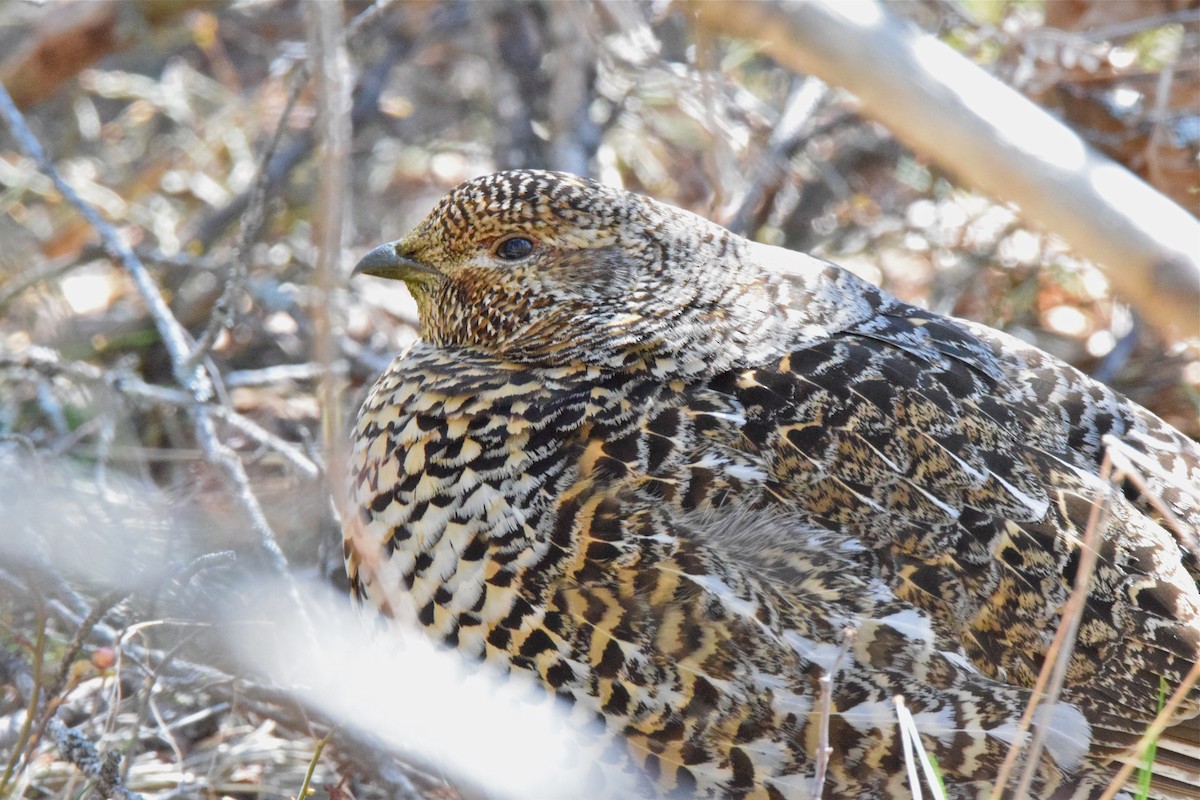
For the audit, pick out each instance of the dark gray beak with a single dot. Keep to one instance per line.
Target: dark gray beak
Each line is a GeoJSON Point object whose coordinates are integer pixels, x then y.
{"type": "Point", "coordinates": [386, 262]}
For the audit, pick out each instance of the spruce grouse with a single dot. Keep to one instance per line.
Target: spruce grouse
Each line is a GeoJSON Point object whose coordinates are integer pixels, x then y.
{"type": "Point", "coordinates": [665, 470]}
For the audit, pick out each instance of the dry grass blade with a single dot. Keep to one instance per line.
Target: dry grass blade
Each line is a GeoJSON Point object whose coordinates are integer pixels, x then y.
{"type": "Point", "coordinates": [914, 752]}
{"type": "Point", "coordinates": [906, 739]}
{"type": "Point", "coordinates": [1156, 728]}
{"type": "Point", "coordinates": [824, 750]}
{"type": "Point", "coordinates": [1120, 463]}
{"type": "Point", "coordinates": [1058, 654]}
{"type": "Point", "coordinates": [1128, 462]}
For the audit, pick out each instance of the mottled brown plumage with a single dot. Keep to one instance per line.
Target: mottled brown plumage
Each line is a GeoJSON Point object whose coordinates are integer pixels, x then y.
{"type": "Point", "coordinates": [666, 469]}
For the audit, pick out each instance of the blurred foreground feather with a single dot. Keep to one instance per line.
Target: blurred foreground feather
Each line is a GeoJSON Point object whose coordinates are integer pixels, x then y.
{"type": "Point", "coordinates": [68, 538]}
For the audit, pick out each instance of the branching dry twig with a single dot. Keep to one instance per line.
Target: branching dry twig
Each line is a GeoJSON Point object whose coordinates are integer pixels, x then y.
{"type": "Point", "coordinates": [251, 224]}
{"type": "Point", "coordinates": [48, 361]}
{"type": "Point", "coordinates": [197, 382]}
{"type": "Point", "coordinates": [371, 83]}
{"type": "Point", "coordinates": [104, 770]}
{"type": "Point", "coordinates": [73, 745]}
{"type": "Point", "coordinates": [173, 335]}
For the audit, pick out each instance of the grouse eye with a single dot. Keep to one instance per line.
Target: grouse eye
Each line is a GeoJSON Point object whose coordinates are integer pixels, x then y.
{"type": "Point", "coordinates": [514, 248]}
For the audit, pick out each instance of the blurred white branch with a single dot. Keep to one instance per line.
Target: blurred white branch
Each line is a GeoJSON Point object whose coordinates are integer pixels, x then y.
{"type": "Point", "coordinates": [483, 728]}
{"type": "Point", "coordinates": [947, 108]}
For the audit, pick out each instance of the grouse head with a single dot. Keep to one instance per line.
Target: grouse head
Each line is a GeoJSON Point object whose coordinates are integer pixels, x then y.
{"type": "Point", "coordinates": [554, 269]}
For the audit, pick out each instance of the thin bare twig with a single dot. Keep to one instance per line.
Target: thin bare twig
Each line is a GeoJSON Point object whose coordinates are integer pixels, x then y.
{"type": "Point", "coordinates": [183, 575]}
{"type": "Point", "coordinates": [371, 84]}
{"type": "Point", "coordinates": [260, 434]}
{"type": "Point", "coordinates": [45, 360]}
{"type": "Point", "coordinates": [331, 67]}
{"type": "Point", "coordinates": [224, 309]}
{"type": "Point", "coordinates": [369, 15]}
{"type": "Point", "coordinates": [1159, 123]}
{"type": "Point", "coordinates": [574, 138]}
{"type": "Point", "coordinates": [197, 382]}
{"type": "Point", "coordinates": [73, 745]}
{"type": "Point", "coordinates": [37, 273]}
{"type": "Point", "coordinates": [791, 131]}
{"type": "Point", "coordinates": [267, 376]}
{"type": "Point", "coordinates": [173, 335]}
{"type": "Point", "coordinates": [1122, 30]}
{"type": "Point", "coordinates": [1128, 461]}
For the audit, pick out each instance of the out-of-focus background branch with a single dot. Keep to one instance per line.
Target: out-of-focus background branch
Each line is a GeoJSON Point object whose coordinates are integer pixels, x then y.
{"type": "Point", "coordinates": [136, 510]}
{"type": "Point", "coordinates": [991, 137]}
